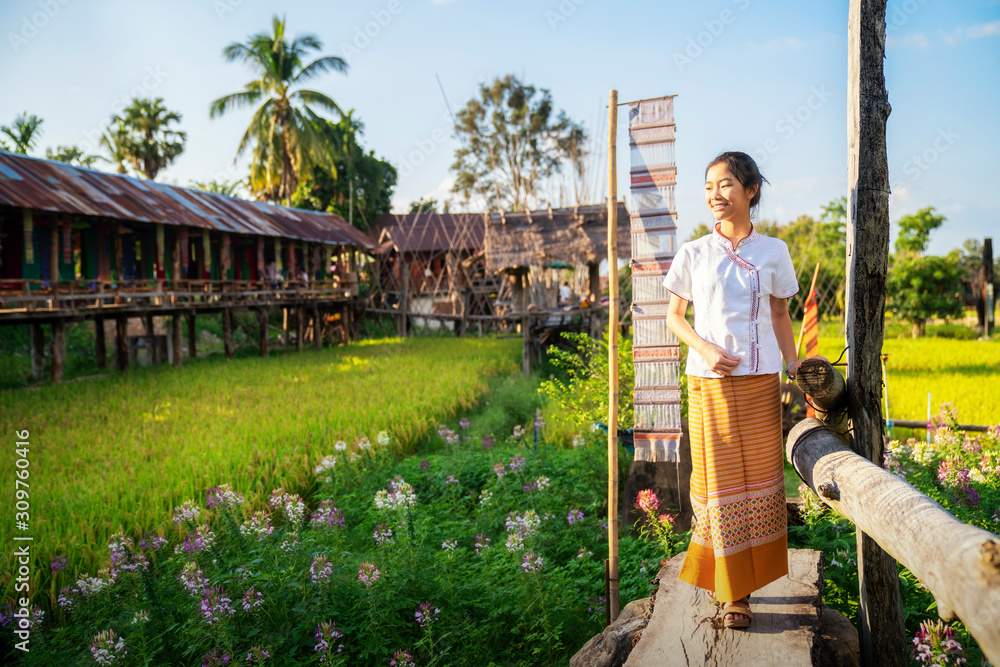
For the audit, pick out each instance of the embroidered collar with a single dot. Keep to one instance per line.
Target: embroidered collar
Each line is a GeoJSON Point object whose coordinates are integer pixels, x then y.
{"type": "Point", "coordinates": [745, 240]}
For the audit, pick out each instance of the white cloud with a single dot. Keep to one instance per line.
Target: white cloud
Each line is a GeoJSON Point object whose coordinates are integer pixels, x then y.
{"type": "Point", "coordinates": [977, 31]}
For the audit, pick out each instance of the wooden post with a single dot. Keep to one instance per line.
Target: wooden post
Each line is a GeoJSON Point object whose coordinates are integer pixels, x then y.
{"type": "Point", "coordinates": [100, 345]}
{"type": "Point", "coordinates": [525, 322]}
{"type": "Point", "coordinates": [612, 576]}
{"type": "Point", "coordinates": [300, 327]}
{"type": "Point", "coordinates": [988, 296]}
{"type": "Point", "coordinates": [317, 328]}
{"type": "Point", "coordinates": [58, 350]}
{"type": "Point", "coordinates": [880, 612]}
{"type": "Point", "coordinates": [55, 259]}
{"type": "Point", "coordinates": [404, 298]}
{"type": "Point", "coordinates": [177, 337]}
{"type": "Point", "coordinates": [284, 326]}
{"type": "Point", "coordinates": [151, 351]}
{"type": "Point", "coordinates": [594, 297]}
{"type": "Point", "coordinates": [121, 342]}
{"type": "Point", "coordinates": [192, 336]}
{"type": "Point", "coordinates": [262, 328]}
{"type": "Point", "coordinates": [37, 351]}
{"type": "Point", "coordinates": [227, 332]}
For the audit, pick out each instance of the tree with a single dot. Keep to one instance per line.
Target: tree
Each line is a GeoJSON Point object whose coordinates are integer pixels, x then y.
{"type": "Point", "coordinates": [915, 230]}
{"type": "Point", "coordinates": [921, 287]}
{"type": "Point", "coordinates": [223, 187]}
{"type": "Point", "coordinates": [429, 205]}
{"type": "Point", "coordinates": [701, 230]}
{"type": "Point", "coordinates": [148, 143]}
{"type": "Point", "coordinates": [71, 155]}
{"type": "Point", "coordinates": [283, 130]}
{"type": "Point", "coordinates": [353, 177]}
{"type": "Point", "coordinates": [23, 132]}
{"type": "Point", "coordinates": [511, 142]}
{"type": "Point", "coordinates": [116, 140]}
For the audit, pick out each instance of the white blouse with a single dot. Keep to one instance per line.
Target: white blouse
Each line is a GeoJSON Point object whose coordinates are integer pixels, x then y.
{"type": "Point", "coordinates": [730, 290]}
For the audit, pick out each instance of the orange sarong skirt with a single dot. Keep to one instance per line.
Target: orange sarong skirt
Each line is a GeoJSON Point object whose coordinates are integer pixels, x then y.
{"type": "Point", "coordinates": [739, 538]}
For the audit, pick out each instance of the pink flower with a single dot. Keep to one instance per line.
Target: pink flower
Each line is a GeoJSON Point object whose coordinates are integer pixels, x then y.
{"type": "Point", "coordinates": [647, 500]}
{"type": "Point", "coordinates": [368, 574]}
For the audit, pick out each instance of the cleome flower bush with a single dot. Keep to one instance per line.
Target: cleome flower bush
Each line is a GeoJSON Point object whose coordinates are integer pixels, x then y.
{"type": "Point", "coordinates": [483, 549]}
{"type": "Point", "coordinates": [961, 471]}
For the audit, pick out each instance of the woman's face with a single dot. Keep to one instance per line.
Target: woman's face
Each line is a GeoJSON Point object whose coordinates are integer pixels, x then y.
{"type": "Point", "coordinates": [725, 195]}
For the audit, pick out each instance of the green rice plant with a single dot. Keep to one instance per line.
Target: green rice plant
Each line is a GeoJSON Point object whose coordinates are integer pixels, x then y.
{"type": "Point", "coordinates": [117, 454]}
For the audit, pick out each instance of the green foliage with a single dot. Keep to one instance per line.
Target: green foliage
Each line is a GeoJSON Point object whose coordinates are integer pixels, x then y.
{"type": "Point", "coordinates": [283, 131]}
{"type": "Point", "coordinates": [148, 144]}
{"type": "Point", "coordinates": [219, 187]}
{"type": "Point", "coordinates": [511, 141]}
{"type": "Point", "coordinates": [701, 230]}
{"type": "Point", "coordinates": [329, 188]}
{"type": "Point", "coordinates": [581, 386]}
{"type": "Point", "coordinates": [23, 132]}
{"type": "Point", "coordinates": [429, 205]}
{"type": "Point", "coordinates": [72, 155]}
{"type": "Point", "coordinates": [503, 547]}
{"type": "Point", "coordinates": [115, 456]}
{"type": "Point", "coordinates": [915, 230]}
{"type": "Point", "coordinates": [921, 287]}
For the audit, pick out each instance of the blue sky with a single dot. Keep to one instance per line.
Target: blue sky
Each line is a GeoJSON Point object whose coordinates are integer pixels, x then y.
{"type": "Point", "coordinates": [768, 78]}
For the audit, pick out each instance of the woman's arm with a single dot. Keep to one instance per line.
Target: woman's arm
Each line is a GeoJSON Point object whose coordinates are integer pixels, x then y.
{"type": "Point", "coordinates": [718, 360]}
{"type": "Point", "coordinates": [781, 322]}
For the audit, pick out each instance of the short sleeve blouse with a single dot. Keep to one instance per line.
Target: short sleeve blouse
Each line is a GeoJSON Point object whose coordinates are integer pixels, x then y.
{"type": "Point", "coordinates": [730, 289]}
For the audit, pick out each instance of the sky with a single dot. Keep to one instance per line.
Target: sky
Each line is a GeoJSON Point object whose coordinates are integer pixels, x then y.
{"type": "Point", "coordinates": [768, 78]}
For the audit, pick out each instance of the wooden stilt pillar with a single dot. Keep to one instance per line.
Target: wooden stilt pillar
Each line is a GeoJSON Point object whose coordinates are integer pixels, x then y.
{"type": "Point", "coordinates": [152, 354]}
{"type": "Point", "coordinates": [262, 326]}
{"type": "Point", "coordinates": [300, 327]}
{"type": "Point", "coordinates": [317, 328]}
{"type": "Point", "coordinates": [100, 345]}
{"type": "Point", "coordinates": [227, 332]}
{"type": "Point", "coordinates": [58, 350]}
{"type": "Point", "coordinates": [121, 342]}
{"type": "Point", "coordinates": [525, 325]}
{"type": "Point", "coordinates": [192, 336]}
{"type": "Point", "coordinates": [404, 301]}
{"type": "Point", "coordinates": [178, 337]}
{"type": "Point", "coordinates": [37, 352]}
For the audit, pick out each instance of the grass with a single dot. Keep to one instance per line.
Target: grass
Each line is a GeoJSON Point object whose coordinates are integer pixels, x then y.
{"type": "Point", "coordinates": [121, 452]}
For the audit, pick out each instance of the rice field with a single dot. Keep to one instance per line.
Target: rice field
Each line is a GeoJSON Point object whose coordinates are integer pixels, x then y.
{"type": "Point", "coordinates": [122, 452]}
{"type": "Point", "coordinates": [963, 372]}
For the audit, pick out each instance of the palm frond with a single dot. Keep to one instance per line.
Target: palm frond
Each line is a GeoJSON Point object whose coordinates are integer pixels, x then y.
{"type": "Point", "coordinates": [319, 66]}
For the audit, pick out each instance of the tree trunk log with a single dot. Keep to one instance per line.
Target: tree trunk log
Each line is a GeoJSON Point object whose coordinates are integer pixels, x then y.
{"type": "Point", "coordinates": [121, 342]}
{"type": "Point", "coordinates": [959, 563]}
{"type": "Point", "coordinates": [58, 350]}
{"type": "Point", "coordinates": [227, 333]}
{"type": "Point", "coordinates": [100, 345]}
{"type": "Point", "coordinates": [300, 327]}
{"type": "Point", "coordinates": [317, 328]}
{"type": "Point", "coordinates": [880, 612]}
{"type": "Point", "coordinates": [177, 336]}
{"type": "Point", "coordinates": [192, 336]}
{"type": "Point", "coordinates": [151, 352]}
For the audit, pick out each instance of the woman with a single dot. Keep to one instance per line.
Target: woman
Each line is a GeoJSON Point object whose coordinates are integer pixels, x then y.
{"type": "Point", "coordinates": [738, 281]}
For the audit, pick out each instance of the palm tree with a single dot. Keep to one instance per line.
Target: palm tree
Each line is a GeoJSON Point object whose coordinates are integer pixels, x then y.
{"type": "Point", "coordinates": [151, 145]}
{"type": "Point", "coordinates": [116, 140]}
{"type": "Point", "coordinates": [283, 129]}
{"type": "Point", "coordinates": [72, 155]}
{"type": "Point", "coordinates": [24, 132]}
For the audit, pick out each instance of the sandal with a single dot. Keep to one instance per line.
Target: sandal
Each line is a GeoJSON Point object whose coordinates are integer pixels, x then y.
{"type": "Point", "coordinates": [737, 608]}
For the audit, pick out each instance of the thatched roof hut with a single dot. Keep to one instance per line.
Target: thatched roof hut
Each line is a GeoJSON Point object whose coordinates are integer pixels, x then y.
{"type": "Point", "coordinates": [568, 236]}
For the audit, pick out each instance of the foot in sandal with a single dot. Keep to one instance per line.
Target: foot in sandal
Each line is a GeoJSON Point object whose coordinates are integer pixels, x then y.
{"type": "Point", "coordinates": [737, 614]}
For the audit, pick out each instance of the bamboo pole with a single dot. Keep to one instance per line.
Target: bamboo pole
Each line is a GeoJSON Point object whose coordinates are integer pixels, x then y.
{"type": "Point", "coordinates": [612, 571]}
{"type": "Point", "coordinates": [802, 327]}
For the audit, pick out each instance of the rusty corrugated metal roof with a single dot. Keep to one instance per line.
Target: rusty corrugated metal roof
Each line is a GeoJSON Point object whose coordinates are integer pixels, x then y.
{"type": "Point", "coordinates": [28, 182]}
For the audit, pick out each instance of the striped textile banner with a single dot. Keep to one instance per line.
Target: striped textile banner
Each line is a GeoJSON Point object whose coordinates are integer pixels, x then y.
{"type": "Point", "coordinates": [810, 334]}
{"type": "Point", "coordinates": [656, 352]}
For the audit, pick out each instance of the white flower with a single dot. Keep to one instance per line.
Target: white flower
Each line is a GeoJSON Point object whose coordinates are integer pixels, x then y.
{"type": "Point", "coordinates": [340, 446]}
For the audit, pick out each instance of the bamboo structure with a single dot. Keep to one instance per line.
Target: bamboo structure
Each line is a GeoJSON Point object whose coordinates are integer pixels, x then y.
{"type": "Point", "coordinates": [613, 602]}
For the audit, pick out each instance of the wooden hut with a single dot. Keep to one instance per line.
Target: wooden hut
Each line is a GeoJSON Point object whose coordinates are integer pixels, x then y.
{"type": "Point", "coordinates": [541, 249]}
{"type": "Point", "coordinates": [80, 244]}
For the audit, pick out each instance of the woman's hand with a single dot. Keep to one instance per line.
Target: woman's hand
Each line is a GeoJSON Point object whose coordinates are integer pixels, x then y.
{"type": "Point", "coordinates": [795, 365]}
{"type": "Point", "coordinates": [718, 360]}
